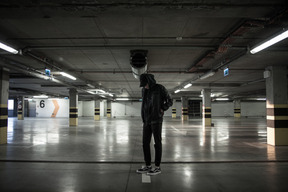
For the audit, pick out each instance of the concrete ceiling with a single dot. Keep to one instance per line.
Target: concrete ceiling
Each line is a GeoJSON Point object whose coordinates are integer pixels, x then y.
{"type": "Point", "coordinates": [91, 40]}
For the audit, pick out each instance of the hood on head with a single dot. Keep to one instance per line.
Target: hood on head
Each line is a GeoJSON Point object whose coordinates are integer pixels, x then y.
{"type": "Point", "coordinates": [147, 78]}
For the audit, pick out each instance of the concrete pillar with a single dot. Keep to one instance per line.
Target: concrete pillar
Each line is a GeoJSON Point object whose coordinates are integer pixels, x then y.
{"type": "Point", "coordinates": [97, 110]}
{"type": "Point", "coordinates": [184, 101]}
{"type": "Point", "coordinates": [4, 87]}
{"type": "Point", "coordinates": [237, 108]}
{"type": "Point", "coordinates": [276, 105]}
{"type": "Point", "coordinates": [20, 108]}
{"type": "Point", "coordinates": [73, 113]}
{"type": "Point", "coordinates": [174, 109]}
{"type": "Point", "coordinates": [108, 109]}
{"type": "Point", "coordinates": [206, 109]}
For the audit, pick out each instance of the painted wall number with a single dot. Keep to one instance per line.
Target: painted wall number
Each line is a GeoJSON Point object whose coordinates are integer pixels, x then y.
{"type": "Point", "coordinates": [42, 103]}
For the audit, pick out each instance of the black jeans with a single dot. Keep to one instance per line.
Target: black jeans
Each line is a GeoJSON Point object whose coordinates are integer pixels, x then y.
{"type": "Point", "coordinates": [156, 130]}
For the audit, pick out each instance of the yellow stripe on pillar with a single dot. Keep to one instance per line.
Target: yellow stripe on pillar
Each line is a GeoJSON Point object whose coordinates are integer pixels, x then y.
{"type": "Point", "coordinates": [206, 116]}
{"type": "Point", "coordinates": [184, 114]}
{"type": "Point", "coordinates": [277, 124]}
{"type": "Point", "coordinates": [73, 116]}
{"type": "Point", "coordinates": [109, 112]}
{"type": "Point", "coordinates": [173, 112]}
{"type": "Point", "coordinates": [3, 123]}
{"type": "Point", "coordinates": [97, 114]}
{"type": "Point", "coordinates": [237, 112]}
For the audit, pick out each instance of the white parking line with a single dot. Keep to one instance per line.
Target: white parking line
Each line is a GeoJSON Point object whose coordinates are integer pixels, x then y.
{"type": "Point", "coordinates": [146, 178]}
{"type": "Point", "coordinates": [181, 132]}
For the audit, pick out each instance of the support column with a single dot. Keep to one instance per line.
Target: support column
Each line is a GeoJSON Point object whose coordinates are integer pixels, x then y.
{"type": "Point", "coordinates": [73, 115]}
{"type": "Point", "coordinates": [206, 109]}
{"type": "Point", "coordinates": [174, 109]}
{"type": "Point", "coordinates": [276, 105]}
{"type": "Point", "coordinates": [108, 109]}
{"type": "Point", "coordinates": [20, 108]}
{"type": "Point", "coordinates": [237, 108]}
{"type": "Point", "coordinates": [184, 101]}
{"type": "Point", "coordinates": [4, 88]}
{"type": "Point", "coordinates": [97, 110]}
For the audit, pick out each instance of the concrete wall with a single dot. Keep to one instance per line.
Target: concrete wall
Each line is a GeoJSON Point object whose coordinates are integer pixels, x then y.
{"type": "Point", "coordinates": [253, 109]}
{"type": "Point", "coordinates": [248, 109]}
{"type": "Point", "coordinates": [46, 107]}
{"type": "Point", "coordinates": [88, 108]}
{"type": "Point", "coordinates": [222, 109]}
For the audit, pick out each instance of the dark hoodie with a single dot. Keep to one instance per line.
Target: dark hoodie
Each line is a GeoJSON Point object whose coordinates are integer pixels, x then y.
{"type": "Point", "coordinates": [155, 100]}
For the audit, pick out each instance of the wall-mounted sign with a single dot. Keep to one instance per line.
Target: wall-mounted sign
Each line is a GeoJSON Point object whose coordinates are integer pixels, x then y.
{"type": "Point", "coordinates": [226, 71]}
{"type": "Point", "coordinates": [47, 72]}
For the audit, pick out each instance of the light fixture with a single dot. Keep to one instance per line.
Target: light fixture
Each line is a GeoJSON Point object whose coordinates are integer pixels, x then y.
{"type": "Point", "coordinates": [177, 91]}
{"type": "Point", "coordinates": [270, 42]}
{"type": "Point", "coordinates": [206, 75]}
{"type": "Point", "coordinates": [188, 85]}
{"type": "Point", "coordinates": [100, 90]}
{"type": "Point", "coordinates": [40, 96]}
{"type": "Point", "coordinates": [222, 99]}
{"type": "Point", "coordinates": [7, 48]}
{"type": "Point", "coordinates": [91, 92]}
{"type": "Point", "coordinates": [122, 99]}
{"type": "Point", "coordinates": [261, 99]}
{"type": "Point", "coordinates": [68, 76]}
{"type": "Point", "coordinates": [111, 95]}
{"type": "Point", "coordinates": [89, 85]}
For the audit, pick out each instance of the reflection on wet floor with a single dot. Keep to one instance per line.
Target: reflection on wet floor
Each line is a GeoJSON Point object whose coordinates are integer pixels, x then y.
{"type": "Point", "coordinates": [120, 140]}
{"type": "Point", "coordinates": [194, 157]}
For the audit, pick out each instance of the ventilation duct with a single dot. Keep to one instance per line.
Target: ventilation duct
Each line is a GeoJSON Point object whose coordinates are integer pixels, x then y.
{"type": "Point", "coordinates": [138, 61]}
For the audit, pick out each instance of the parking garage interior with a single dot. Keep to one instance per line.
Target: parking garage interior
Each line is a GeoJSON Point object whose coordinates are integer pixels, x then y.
{"type": "Point", "coordinates": [70, 101]}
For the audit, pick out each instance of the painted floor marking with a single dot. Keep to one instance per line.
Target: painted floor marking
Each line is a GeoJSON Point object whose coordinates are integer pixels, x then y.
{"type": "Point", "coordinates": [181, 132]}
{"type": "Point", "coordinates": [146, 178]}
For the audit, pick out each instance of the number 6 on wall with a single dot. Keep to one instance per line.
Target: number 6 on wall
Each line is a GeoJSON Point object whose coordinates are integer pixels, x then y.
{"type": "Point", "coordinates": [42, 103]}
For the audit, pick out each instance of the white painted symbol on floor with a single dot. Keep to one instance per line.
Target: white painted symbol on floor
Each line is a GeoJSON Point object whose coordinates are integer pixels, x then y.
{"type": "Point", "coordinates": [181, 132]}
{"type": "Point", "coordinates": [146, 178]}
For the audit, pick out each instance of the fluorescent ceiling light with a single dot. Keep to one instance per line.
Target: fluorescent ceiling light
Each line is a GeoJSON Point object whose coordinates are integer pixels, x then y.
{"type": "Point", "coordinates": [100, 90]}
{"type": "Point", "coordinates": [96, 91]}
{"type": "Point", "coordinates": [270, 42]}
{"type": "Point", "coordinates": [7, 48]}
{"type": "Point", "coordinates": [122, 99]}
{"type": "Point", "coordinates": [188, 85]}
{"type": "Point", "coordinates": [110, 94]}
{"type": "Point", "coordinates": [222, 99]}
{"type": "Point", "coordinates": [68, 76]}
{"type": "Point", "coordinates": [206, 75]}
{"type": "Point", "coordinates": [177, 91]}
{"type": "Point", "coordinates": [40, 96]}
{"type": "Point", "coordinates": [89, 85]}
{"type": "Point", "coordinates": [261, 99]}
{"type": "Point", "coordinates": [91, 92]}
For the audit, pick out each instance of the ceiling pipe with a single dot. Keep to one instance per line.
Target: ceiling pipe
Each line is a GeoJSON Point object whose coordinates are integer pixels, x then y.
{"type": "Point", "coordinates": [92, 47]}
{"type": "Point", "coordinates": [10, 64]}
{"type": "Point", "coordinates": [175, 5]}
{"type": "Point", "coordinates": [43, 60]}
{"type": "Point", "coordinates": [148, 71]}
{"type": "Point", "coordinates": [225, 44]}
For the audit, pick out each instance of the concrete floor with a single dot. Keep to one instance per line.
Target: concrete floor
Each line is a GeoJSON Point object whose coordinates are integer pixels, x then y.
{"type": "Point", "coordinates": [45, 154]}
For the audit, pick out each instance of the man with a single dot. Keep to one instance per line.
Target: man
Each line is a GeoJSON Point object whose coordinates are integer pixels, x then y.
{"type": "Point", "coordinates": [155, 100]}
